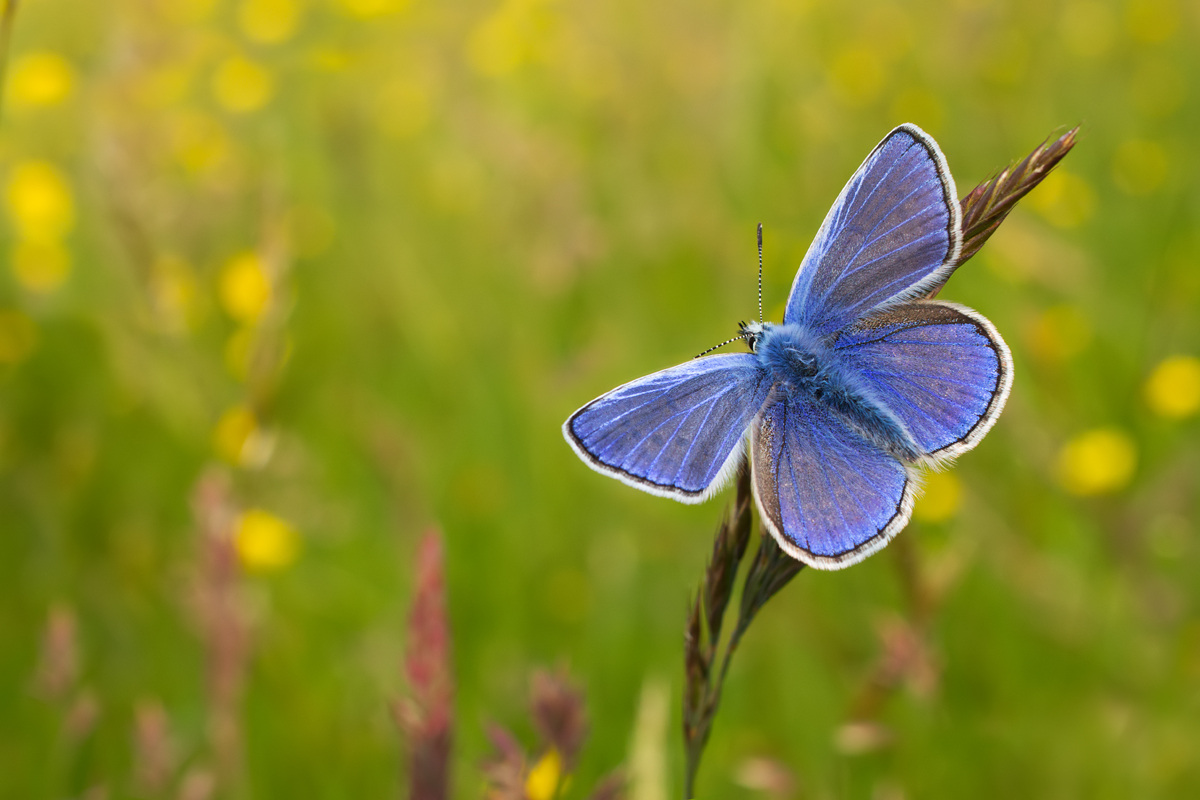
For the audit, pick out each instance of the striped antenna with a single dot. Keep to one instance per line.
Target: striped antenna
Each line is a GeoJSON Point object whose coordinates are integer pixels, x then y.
{"type": "Point", "coordinates": [760, 314]}
{"type": "Point", "coordinates": [722, 344]}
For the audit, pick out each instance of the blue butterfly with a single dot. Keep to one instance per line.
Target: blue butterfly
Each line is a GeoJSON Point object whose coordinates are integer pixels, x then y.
{"type": "Point", "coordinates": [864, 381]}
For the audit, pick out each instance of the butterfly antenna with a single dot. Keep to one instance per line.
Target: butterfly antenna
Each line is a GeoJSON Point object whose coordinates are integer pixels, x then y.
{"type": "Point", "coordinates": [722, 344]}
{"type": "Point", "coordinates": [760, 314]}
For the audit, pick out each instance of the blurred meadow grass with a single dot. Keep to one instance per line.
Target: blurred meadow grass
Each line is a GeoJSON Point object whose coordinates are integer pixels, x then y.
{"type": "Point", "coordinates": [352, 262]}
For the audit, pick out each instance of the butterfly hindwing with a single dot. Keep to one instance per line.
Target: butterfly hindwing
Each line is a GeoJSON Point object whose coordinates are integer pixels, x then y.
{"type": "Point", "coordinates": [827, 495]}
{"type": "Point", "coordinates": [677, 433]}
{"type": "Point", "coordinates": [894, 230]}
{"type": "Point", "coordinates": [942, 369]}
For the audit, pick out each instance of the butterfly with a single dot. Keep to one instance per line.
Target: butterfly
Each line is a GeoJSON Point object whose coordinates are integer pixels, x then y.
{"type": "Point", "coordinates": [866, 380]}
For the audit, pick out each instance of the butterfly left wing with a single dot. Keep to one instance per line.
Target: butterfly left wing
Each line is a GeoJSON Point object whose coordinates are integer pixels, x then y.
{"type": "Point", "coordinates": [894, 231]}
{"type": "Point", "coordinates": [677, 433]}
{"type": "Point", "coordinates": [828, 496]}
{"type": "Point", "coordinates": [941, 368]}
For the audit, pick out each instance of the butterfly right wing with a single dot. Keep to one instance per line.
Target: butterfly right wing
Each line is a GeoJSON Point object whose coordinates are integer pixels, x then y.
{"type": "Point", "coordinates": [677, 433]}
{"type": "Point", "coordinates": [828, 496]}
{"type": "Point", "coordinates": [894, 231]}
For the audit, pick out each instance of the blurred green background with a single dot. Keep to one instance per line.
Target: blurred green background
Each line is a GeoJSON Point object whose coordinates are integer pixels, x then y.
{"type": "Point", "coordinates": [346, 265]}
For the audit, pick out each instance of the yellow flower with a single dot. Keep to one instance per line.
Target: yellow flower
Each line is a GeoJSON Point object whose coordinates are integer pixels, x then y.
{"type": "Point", "coordinates": [268, 21]}
{"type": "Point", "coordinates": [264, 542]}
{"type": "Point", "coordinates": [244, 288]}
{"type": "Point", "coordinates": [1140, 166]}
{"type": "Point", "coordinates": [40, 79]}
{"type": "Point", "coordinates": [241, 85]}
{"type": "Point", "coordinates": [942, 497]}
{"type": "Point", "coordinates": [17, 337]}
{"type": "Point", "coordinates": [1173, 389]}
{"type": "Point", "coordinates": [1097, 461]}
{"type": "Point", "coordinates": [1064, 199]}
{"type": "Point", "coordinates": [39, 200]}
{"type": "Point", "coordinates": [542, 781]}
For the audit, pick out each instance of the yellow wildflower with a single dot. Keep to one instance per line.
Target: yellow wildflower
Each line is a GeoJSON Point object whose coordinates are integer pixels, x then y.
{"type": "Point", "coordinates": [39, 201]}
{"type": "Point", "coordinates": [542, 781]}
{"type": "Point", "coordinates": [244, 288]}
{"type": "Point", "coordinates": [1097, 461]}
{"type": "Point", "coordinates": [942, 497]}
{"type": "Point", "coordinates": [241, 85]}
{"type": "Point", "coordinates": [40, 79]}
{"type": "Point", "coordinates": [1173, 389]}
{"type": "Point", "coordinates": [264, 542]}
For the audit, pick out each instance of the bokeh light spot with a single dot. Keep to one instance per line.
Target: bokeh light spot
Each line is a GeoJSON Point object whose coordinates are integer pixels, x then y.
{"type": "Point", "coordinates": [245, 289]}
{"type": "Point", "coordinates": [941, 499]}
{"type": "Point", "coordinates": [1140, 166]}
{"type": "Point", "coordinates": [1097, 462]}
{"type": "Point", "coordinates": [39, 200]}
{"type": "Point", "coordinates": [40, 79]}
{"type": "Point", "coordinates": [1173, 388]}
{"type": "Point", "coordinates": [264, 542]}
{"type": "Point", "coordinates": [241, 85]}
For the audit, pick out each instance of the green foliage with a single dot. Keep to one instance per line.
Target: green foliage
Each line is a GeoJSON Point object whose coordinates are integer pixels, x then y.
{"type": "Point", "coordinates": [354, 261]}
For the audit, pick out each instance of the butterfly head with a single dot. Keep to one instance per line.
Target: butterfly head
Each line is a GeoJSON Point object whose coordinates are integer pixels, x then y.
{"type": "Point", "coordinates": [753, 332]}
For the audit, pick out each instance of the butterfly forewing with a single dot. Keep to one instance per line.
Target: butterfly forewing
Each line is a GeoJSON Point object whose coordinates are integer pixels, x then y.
{"type": "Point", "coordinates": [675, 432]}
{"type": "Point", "coordinates": [894, 230]}
{"type": "Point", "coordinates": [827, 495]}
{"type": "Point", "coordinates": [942, 369]}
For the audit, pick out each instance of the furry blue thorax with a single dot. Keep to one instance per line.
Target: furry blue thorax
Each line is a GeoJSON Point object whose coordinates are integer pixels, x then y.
{"type": "Point", "coordinates": [801, 364]}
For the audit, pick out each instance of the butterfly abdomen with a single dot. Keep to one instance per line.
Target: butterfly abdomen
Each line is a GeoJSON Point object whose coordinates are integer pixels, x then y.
{"type": "Point", "coordinates": [802, 366]}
